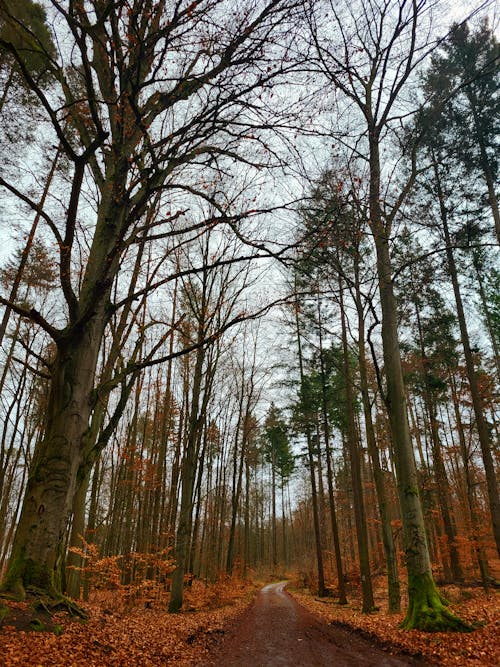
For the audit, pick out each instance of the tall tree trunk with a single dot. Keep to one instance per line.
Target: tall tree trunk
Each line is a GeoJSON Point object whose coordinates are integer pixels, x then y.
{"type": "Point", "coordinates": [274, 545]}
{"type": "Point", "coordinates": [443, 488]}
{"type": "Point", "coordinates": [394, 592]}
{"type": "Point", "coordinates": [310, 458]}
{"type": "Point", "coordinates": [469, 483]}
{"type": "Point", "coordinates": [426, 610]}
{"type": "Point", "coordinates": [246, 538]}
{"type": "Point", "coordinates": [188, 475]}
{"type": "Point", "coordinates": [329, 471]}
{"type": "Point", "coordinates": [238, 463]}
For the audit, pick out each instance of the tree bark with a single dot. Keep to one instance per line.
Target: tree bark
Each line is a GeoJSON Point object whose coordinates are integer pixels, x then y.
{"type": "Point", "coordinates": [355, 461]}
{"type": "Point", "coordinates": [188, 475]}
{"type": "Point", "coordinates": [426, 610]}
{"type": "Point", "coordinates": [37, 557]}
{"type": "Point", "coordinates": [393, 586]}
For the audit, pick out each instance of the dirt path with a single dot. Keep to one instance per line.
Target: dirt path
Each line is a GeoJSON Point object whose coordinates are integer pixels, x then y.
{"type": "Point", "coordinates": [277, 631]}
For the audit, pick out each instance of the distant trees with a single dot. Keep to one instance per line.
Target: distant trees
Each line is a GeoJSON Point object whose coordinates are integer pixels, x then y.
{"type": "Point", "coordinates": [278, 454]}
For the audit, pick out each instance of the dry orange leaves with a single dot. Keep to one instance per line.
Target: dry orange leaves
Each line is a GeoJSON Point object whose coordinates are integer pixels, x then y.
{"type": "Point", "coordinates": [142, 637]}
{"type": "Point", "coordinates": [480, 648]}
{"type": "Point", "coordinates": [136, 638]}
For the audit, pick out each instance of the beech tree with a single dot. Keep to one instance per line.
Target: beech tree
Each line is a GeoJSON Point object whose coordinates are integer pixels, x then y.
{"type": "Point", "coordinates": [145, 95]}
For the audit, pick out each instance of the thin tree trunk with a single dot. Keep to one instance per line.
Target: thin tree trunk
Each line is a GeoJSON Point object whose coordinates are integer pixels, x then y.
{"type": "Point", "coordinates": [329, 471]}
{"type": "Point", "coordinates": [354, 455]}
{"type": "Point", "coordinates": [238, 463]}
{"type": "Point", "coordinates": [443, 488]}
{"type": "Point", "coordinates": [188, 474]}
{"type": "Point", "coordinates": [246, 539]}
{"type": "Point", "coordinates": [314, 494]}
{"type": "Point", "coordinates": [469, 484]}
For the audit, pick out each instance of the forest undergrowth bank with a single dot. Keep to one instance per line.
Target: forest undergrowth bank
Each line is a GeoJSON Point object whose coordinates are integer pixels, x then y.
{"type": "Point", "coordinates": [119, 634]}
{"type": "Point", "coordinates": [472, 604]}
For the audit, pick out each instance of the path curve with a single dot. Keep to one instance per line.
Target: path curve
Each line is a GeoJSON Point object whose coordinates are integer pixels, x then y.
{"type": "Point", "coordinates": [276, 632]}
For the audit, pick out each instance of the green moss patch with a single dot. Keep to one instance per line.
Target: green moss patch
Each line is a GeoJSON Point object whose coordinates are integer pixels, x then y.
{"type": "Point", "coordinates": [427, 609]}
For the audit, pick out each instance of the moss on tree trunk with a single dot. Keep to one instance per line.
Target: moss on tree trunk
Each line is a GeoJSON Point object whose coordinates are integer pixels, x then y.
{"type": "Point", "coordinates": [26, 574]}
{"type": "Point", "coordinates": [427, 610]}
{"type": "Point", "coordinates": [36, 565]}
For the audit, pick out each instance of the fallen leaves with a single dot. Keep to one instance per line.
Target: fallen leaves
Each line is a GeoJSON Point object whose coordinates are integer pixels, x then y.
{"type": "Point", "coordinates": [477, 649]}
{"type": "Point", "coordinates": [150, 637]}
{"type": "Point", "coordinates": [137, 638]}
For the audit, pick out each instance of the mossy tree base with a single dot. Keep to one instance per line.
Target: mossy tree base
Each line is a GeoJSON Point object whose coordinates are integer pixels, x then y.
{"type": "Point", "coordinates": [51, 604]}
{"type": "Point", "coordinates": [44, 595]}
{"type": "Point", "coordinates": [427, 609]}
{"type": "Point", "coordinates": [27, 576]}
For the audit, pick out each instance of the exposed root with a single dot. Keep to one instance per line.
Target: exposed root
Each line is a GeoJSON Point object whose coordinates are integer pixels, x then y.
{"type": "Point", "coordinates": [52, 605]}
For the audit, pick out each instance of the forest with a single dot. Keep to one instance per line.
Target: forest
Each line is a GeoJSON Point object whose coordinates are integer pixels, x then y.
{"type": "Point", "coordinates": [250, 312]}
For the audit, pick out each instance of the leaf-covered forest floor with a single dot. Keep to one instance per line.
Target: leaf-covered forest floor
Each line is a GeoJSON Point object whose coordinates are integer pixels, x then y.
{"type": "Point", "coordinates": [480, 648]}
{"type": "Point", "coordinates": [118, 634]}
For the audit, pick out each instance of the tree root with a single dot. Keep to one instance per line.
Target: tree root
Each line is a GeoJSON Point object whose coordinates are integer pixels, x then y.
{"type": "Point", "coordinates": [427, 609]}
{"type": "Point", "coordinates": [52, 605]}
{"type": "Point", "coordinates": [435, 620]}
{"type": "Point", "coordinates": [47, 600]}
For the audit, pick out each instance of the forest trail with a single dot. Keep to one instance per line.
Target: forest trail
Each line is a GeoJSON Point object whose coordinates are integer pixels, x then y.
{"type": "Point", "coordinates": [276, 632]}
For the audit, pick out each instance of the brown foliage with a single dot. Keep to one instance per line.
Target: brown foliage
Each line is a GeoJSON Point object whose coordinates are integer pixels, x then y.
{"type": "Point", "coordinates": [137, 637]}
{"type": "Point", "coordinates": [145, 574]}
{"type": "Point", "coordinates": [479, 648]}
